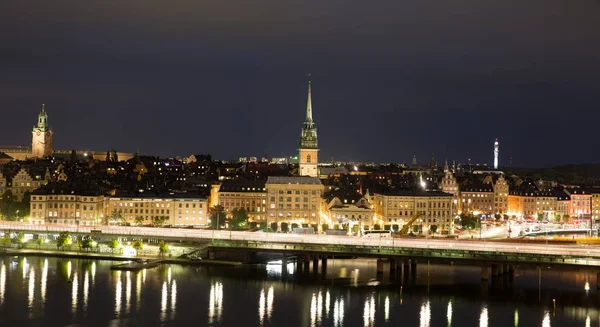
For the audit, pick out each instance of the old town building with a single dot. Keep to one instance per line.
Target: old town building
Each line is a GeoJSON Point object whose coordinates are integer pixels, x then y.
{"type": "Point", "coordinates": [249, 195]}
{"type": "Point", "coordinates": [69, 204]}
{"type": "Point", "coordinates": [294, 200]}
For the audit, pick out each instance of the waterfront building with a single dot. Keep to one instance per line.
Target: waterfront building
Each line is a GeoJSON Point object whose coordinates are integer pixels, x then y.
{"type": "Point", "coordinates": [546, 205]}
{"type": "Point", "coordinates": [521, 204]}
{"type": "Point", "coordinates": [478, 199]}
{"type": "Point", "coordinates": [176, 209]}
{"type": "Point", "coordinates": [397, 208]}
{"type": "Point", "coordinates": [308, 155]}
{"type": "Point", "coordinates": [500, 196]}
{"type": "Point", "coordinates": [563, 203]}
{"type": "Point", "coordinates": [595, 203]}
{"type": "Point", "coordinates": [351, 210]}
{"type": "Point", "coordinates": [67, 203]}
{"type": "Point", "coordinates": [294, 200]}
{"type": "Point", "coordinates": [581, 202]}
{"type": "Point", "coordinates": [249, 195]}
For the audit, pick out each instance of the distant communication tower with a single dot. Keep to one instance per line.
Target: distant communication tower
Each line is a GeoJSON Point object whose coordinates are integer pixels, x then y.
{"type": "Point", "coordinates": [496, 152]}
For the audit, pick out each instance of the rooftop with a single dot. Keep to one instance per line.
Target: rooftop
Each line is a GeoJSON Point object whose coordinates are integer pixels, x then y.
{"type": "Point", "coordinates": [293, 180]}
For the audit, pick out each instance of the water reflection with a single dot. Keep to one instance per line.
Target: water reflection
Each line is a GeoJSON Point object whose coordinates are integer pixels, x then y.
{"type": "Point", "coordinates": [387, 308]}
{"type": "Point", "coordinates": [369, 311]}
{"type": "Point", "coordinates": [118, 292]}
{"type": "Point", "coordinates": [173, 295]}
{"type": "Point", "coordinates": [516, 318]}
{"type": "Point", "coordinates": [138, 291]}
{"type": "Point", "coordinates": [215, 304]}
{"type": "Point", "coordinates": [44, 280]}
{"type": "Point", "coordinates": [270, 302]}
{"type": "Point", "coordinates": [338, 313]}
{"type": "Point", "coordinates": [546, 321]}
{"type": "Point", "coordinates": [2, 282]}
{"type": "Point", "coordinates": [74, 290]}
{"type": "Point", "coordinates": [261, 306]}
{"type": "Point", "coordinates": [425, 314]}
{"type": "Point", "coordinates": [93, 272]}
{"type": "Point", "coordinates": [24, 267]}
{"type": "Point", "coordinates": [449, 313]}
{"type": "Point", "coordinates": [86, 288]}
{"type": "Point", "coordinates": [128, 292]}
{"type": "Point", "coordinates": [588, 321]}
{"type": "Point", "coordinates": [483, 317]}
{"type": "Point", "coordinates": [327, 303]}
{"type": "Point", "coordinates": [163, 301]}
{"type": "Point", "coordinates": [31, 292]}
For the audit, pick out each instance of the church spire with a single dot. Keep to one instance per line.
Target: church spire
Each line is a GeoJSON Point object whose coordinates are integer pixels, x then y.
{"type": "Point", "coordinates": [309, 103]}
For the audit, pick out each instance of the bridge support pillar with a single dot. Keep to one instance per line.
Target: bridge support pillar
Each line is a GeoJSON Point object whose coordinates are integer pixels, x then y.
{"type": "Point", "coordinates": [494, 270]}
{"type": "Point", "coordinates": [485, 273]}
{"type": "Point", "coordinates": [323, 264]}
{"type": "Point", "coordinates": [284, 261]}
{"type": "Point", "coordinates": [598, 280]}
{"type": "Point", "coordinates": [383, 268]}
{"type": "Point", "coordinates": [506, 270]}
{"type": "Point", "coordinates": [315, 261]}
{"type": "Point", "coordinates": [413, 267]}
{"type": "Point", "coordinates": [306, 262]}
{"type": "Point", "coordinates": [500, 270]}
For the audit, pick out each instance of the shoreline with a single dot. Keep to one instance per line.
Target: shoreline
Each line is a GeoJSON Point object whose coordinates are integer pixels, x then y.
{"type": "Point", "coordinates": [111, 257]}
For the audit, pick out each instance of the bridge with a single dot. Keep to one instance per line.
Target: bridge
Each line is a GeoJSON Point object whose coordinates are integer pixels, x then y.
{"type": "Point", "coordinates": [393, 252]}
{"type": "Point", "coordinates": [558, 231]}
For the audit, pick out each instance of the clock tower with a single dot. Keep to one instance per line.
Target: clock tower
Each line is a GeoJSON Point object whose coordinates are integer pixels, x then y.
{"type": "Point", "coordinates": [41, 143]}
{"type": "Point", "coordinates": [309, 150]}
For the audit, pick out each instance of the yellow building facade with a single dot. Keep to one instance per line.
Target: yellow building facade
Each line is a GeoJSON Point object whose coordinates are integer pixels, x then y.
{"type": "Point", "coordinates": [294, 200]}
{"type": "Point", "coordinates": [178, 210]}
{"type": "Point", "coordinates": [249, 195]}
{"type": "Point", "coordinates": [68, 207]}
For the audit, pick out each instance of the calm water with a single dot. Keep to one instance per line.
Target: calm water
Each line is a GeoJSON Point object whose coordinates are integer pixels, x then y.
{"type": "Point", "coordinates": [36, 291]}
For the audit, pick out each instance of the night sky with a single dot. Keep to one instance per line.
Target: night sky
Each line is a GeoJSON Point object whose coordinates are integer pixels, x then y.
{"type": "Point", "coordinates": [390, 78]}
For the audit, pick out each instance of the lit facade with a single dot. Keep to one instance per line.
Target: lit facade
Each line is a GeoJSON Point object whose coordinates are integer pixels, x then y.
{"type": "Point", "coordinates": [41, 143]}
{"type": "Point", "coordinates": [66, 206]}
{"type": "Point", "coordinates": [294, 200]}
{"type": "Point", "coordinates": [595, 205]}
{"type": "Point", "coordinates": [177, 210]}
{"type": "Point", "coordinates": [26, 181]}
{"type": "Point", "coordinates": [522, 205]}
{"type": "Point", "coordinates": [501, 196]}
{"type": "Point", "coordinates": [398, 208]}
{"type": "Point", "coordinates": [250, 195]}
{"type": "Point", "coordinates": [581, 202]}
{"type": "Point", "coordinates": [361, 213]}
{"type": "Point", "coordinates": [478, 200]}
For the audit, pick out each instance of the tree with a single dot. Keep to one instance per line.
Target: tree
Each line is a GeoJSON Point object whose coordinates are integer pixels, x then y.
{"type": "Point", "coordinates": [113, 244]}
{"type": "Point", "coordinates": [274, 227]}
{"type": "Point", "coordinates": [433, 229]}
{"type": "Point", "coordinates": [497, 216]}
{"type": "Point", "coordinates": [20, 239]}
{"type": "Point", "coordinates": [107, 156]}
{"type": "Point", "coordinates": [73, 158]}
{"type": "Point", "coordinates": [63, 239]}
{"type": "Point", "coordinates": [540, 216]}
{"type": "Point", "coordinates": [566, 218]}
{"type": "Point", "coordinates": [139, 220]}
{"type": "Point", "coordinates": [217, 217]}
{"type": "Point", "coordinates": [88, 243]}
{"type": "Point", "coordinates": [468, 221]}
{"type": "Point", "coordinates": [239, 218]}
{"type": "Point", "coordinates": [325, 227]}
{"type": "Point", "coordinates": [137, 246]}
{"type": "Point", "coordinates": [377, 227]}
{"type": "Point", "coordinates": [557, 218]}
{"type": "Point", "coordinates": [116, 216]}
{"type": "Point", "coordinates": [7, 240]}
{"type": "Point", "coordinates": [40, 241]}
{"type": "Point", "coordinates": [158, 221]}
{"type": "Point", "coordinates": [163, 247]}
{"type": "Point", "coordinates": [263, 226]}
{"type": "Point", "coordinates": [285, 228]}
{"type": "Point", "coordinates": [415, 229]}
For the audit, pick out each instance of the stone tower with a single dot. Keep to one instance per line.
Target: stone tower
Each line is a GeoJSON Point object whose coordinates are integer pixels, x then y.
{"type": "Point", "coordinates": [41, 141]}
{"type": "Point", "coordinates": [309, 150]}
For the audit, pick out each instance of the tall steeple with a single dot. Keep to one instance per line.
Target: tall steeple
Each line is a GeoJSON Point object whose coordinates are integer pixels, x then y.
{"type": "Point", "coordinates": [309, 149]}
{"type": "Point", "coordinates": [42, 124]}
{"type": "Point", "coordinates": [309, 103]}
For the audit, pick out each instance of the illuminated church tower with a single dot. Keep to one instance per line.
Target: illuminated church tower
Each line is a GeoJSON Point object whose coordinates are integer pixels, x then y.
{"type": "Point", "coordinates": [41, 143]}
{"type": "Point", "coordinates": [496, 152]}
{"type": "Point", "coordinates": [309, 150]}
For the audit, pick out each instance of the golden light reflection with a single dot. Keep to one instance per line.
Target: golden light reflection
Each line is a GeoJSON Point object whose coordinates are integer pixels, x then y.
{"type": "Point", "coordinates": [86, 288]}
{"type": "Point", "coordinates": [138, 291]}
{"type": "Point", "coordinates": [546, 320]}
{"type": "Point", "coordinates": [313, 310]}
{"type": "Point", "coordinates": [319, 306]}
{"type": "Point", "coordinates": [44, 280]}
{"type": "Point", "coordinates": [118, 292]}
{"type": "Point", "coordinates": [516, 318]}
{"type": "Point", "coordinates": [588, 321]}
{"type": "Point", "coordinates": [128, 292]}
{"type": "Point", "coordinates": [2, 282]}
{"type": "Point", "coordinates": [31, 293]}
{"type": "Point", "coordinates": [74, 290]}
{"type": "Point", "coordinates": [69, 270]}
{"type": "Point", "coordinates": [169, 275]}
{"type": "Point", "coordinates": [24, 267]}
{"type": "Point", "coordinates": [261, 307]}
{"type": "Point", "coordinates": [270, 302]}
{"type": "Point", "coordinates": [449, 313]}
{"type": "Point", "coordinates": [483, 317]}
{"type": "Point", "coordinates": [93, 272]}
{"type": "Point", "coordinates": [387, 308]}
{"type": "Point", "coordinates": [215, 304]}
{"type": "Point", "coordinates": [327, 303]}
{"type": "Point", "coordinates": [425, 314]}
{"type": "Point", "coordinates": [338, 313]}
{"type": "Point", "coordinates": [173, 296]}
{"type": "Point", "coordinates": [144, 275]}
{"type": "Point", "coordinates": [163, 301]}
{"type": "Point", "coordinates": [369, 311]}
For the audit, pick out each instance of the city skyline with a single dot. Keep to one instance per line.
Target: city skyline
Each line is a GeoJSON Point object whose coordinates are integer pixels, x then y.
{"type": "Point", "coordinates": [203, 79]}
